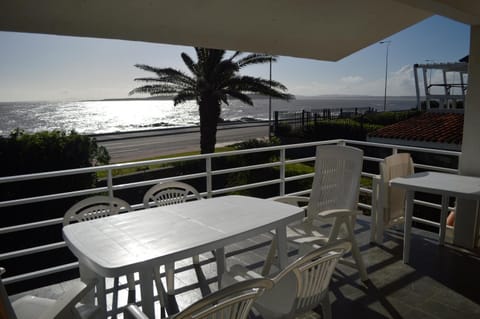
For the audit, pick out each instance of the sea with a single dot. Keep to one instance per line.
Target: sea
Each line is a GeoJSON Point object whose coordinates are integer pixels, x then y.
{"type": "Point", "coordinates": [111, 116]}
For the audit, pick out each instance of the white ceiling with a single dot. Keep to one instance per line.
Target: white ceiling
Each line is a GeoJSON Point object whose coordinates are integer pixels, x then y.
{"type": "Point", "coordinates": [319, 29]}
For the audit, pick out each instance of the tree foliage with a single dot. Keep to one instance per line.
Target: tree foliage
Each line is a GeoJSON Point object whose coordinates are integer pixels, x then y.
{"type": "Point", "coordinates": [23, 153]}
{"type": "Point", "coordinates": [214, 78]}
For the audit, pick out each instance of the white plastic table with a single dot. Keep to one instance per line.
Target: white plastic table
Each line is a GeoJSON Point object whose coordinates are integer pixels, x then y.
{"type": "Point", "coordinates": [446, 185]}
{"type": "Point", "coordinates": [140, 240]}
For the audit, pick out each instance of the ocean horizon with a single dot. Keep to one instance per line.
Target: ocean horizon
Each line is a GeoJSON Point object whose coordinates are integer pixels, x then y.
{"type": "Point", "coordinates": [124, 115]}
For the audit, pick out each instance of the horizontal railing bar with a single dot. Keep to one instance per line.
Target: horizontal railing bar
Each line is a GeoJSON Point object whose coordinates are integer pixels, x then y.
{"type": "Point", "coordinates": [300, 160]}
{"type": "Point", "coordinates": [44, 198]}
{"type": "Point", "coordinates": [246, 186]}
{"type": "Point", "coordinates": [436, 168]}
{"type": "Point", "coordinates": [404, 147]}
{"type": "Point", "coordinates": [39, 224]}
{"type": "Point", "coordinates": [39, 273]}
{"type": "Point", "coordinates": [425, 221]}
{"type": "Point", "coordinates": [297, 177]}
{"type": "Point", "coordinates": [156, 181]}
{"type": "Point", "coordinates": [244, 168]}
{"type": "Point", "coordinates": [33, 250]}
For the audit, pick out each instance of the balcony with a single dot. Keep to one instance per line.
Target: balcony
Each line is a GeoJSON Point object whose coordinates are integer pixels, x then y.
{"type": "Point", "coordinates": [439, 282]}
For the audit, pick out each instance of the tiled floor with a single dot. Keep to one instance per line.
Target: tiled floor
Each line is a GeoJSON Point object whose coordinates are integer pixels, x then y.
{"type": "Point", "coordinates": [439, 282]}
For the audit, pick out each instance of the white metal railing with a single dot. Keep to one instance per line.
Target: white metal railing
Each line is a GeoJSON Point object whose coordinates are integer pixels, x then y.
{"type": "Point", "coordinates": [281, 162]}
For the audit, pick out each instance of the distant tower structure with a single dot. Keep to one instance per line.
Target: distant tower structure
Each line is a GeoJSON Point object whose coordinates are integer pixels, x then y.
{"type": "Point", "coordinates": [449, 90]}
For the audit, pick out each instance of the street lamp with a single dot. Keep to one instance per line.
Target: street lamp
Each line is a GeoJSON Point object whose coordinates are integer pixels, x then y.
{"type": "Point", "coordinates": [270, 104]}
{"type": "Point", "coordinates": [387, 42]}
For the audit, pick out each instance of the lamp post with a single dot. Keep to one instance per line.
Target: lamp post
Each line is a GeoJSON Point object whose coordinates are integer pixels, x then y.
{"type": "Point", "coordinates": [387, 42]}
{"type": "Point", "coordinates": [270, 104]}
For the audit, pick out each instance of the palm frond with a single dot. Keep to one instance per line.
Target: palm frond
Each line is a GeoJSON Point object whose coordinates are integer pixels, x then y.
{"type": "Point", "coordinates": [258, 85]}
{"type": "Point", "coordinates": [189, 63]}
{"type": "Point", "coordinates": [240, 96]}
{"type": "Point", "coordinates": [184, 96]}
{"type": "Point", "coordinates": [256, 58]}
{"type": "Point", "coordinates": [154, 90]}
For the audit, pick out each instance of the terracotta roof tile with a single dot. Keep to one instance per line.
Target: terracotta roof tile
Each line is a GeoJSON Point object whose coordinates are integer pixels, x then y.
{"type": "Point", "coordinates": [439, 127]}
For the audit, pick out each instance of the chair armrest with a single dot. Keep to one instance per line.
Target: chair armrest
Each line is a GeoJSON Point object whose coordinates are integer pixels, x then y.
{"type": "Point", "coordinates": [333, 213]}
{"type": "Point", "coordinates": [64, 306]}
{"type": "Point", "coordinates": [133, 312]}
{"type": "Point", "coordinates": [292, 200]}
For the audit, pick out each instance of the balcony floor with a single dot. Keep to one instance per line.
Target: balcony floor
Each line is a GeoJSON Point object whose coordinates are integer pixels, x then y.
{"type": "Point", "coordinates": [439, 282]}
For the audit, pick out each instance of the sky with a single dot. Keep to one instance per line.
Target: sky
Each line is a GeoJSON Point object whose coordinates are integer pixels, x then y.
{"type": "Point", "coordinates": [35, 67]}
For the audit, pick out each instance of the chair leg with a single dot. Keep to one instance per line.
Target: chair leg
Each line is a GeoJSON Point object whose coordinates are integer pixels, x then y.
{"type": "Point", "coordinates": [356, 254]}
{"type": "Point", "coordinates": [131, 288]}
{"type": "Point", "coordinates": [162, 295]}
{"type": "Point", "coordinates": [196, 259]}
{"type": "Point", "coordinates": [270, 257]}
{"type": "Point", "coordinates": [326, 307]}
{"type": "Point", "coordinates": [116, 284]}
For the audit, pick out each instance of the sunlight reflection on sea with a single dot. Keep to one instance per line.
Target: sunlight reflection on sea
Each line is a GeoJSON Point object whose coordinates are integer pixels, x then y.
{"type": "Point", "coordinates": [90, 117]}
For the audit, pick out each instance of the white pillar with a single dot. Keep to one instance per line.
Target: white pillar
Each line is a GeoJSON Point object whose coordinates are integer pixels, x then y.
{"type": "Point", "coordinates": [467, 219]}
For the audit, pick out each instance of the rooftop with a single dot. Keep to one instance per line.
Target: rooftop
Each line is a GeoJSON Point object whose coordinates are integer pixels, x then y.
{"type": "Point", "coordinates": [442, 128]}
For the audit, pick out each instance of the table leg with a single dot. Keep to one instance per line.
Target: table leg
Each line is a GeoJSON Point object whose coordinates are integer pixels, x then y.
{"type": "Point", "coordinates": [220, 256]}
{"type": "Point", "coordinates": [282, 246]}
{"type": "Point", "coordinates": [171, 303]}
{"type": "Point", "coordinates": [408, 225]}
{"type": "Point", "coordinates": [86, 275]}
{"type": "Point", "coordinates": [146, 289]}
{"type": "Point", "coordinates": [443, 219]}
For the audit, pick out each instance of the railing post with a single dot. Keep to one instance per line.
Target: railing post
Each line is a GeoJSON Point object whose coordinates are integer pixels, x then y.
{"type": "Point", "coordinates": [282, 171]}
{"type": "Point", "coordinates": [208, 169]}
{"type": "Point", "coordinates": [110, 182]}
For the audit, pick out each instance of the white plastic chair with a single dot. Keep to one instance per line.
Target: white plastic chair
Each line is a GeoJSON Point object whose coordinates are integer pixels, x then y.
{"type": "Point", "coordinates": [164, 194]}
{"type": "Point", "coordinates": [169, 193]}
{"type": "Point", "coordinates": [95, 207]}
{"type": "Point", "coordinates": [334, 198]}
{"type": "Point", "coordinates": [99, 207]}
{"type": "Point", "coordinates": [300, 287]}
{"type": "Point", "coordinates": [233, 302]}
{"type": "Point", "coordinates": [67, 307]}
{"type": "Point", "coordinates": [389, 202]}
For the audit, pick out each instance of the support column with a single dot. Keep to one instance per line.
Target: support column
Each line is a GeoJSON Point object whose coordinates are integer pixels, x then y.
{"type": "Point", "coordinates": [466, 219]}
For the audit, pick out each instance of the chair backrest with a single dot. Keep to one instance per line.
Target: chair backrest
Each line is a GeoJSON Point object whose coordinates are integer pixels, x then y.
{"type": "Point", "coordinates": [306, 281]}
{"type": "Point", "coordinates": [169, 193]}
{"type": "Point", "coordinates": [232, 302]}
{"type": "Point", "coordinates": [95, 207]}
{"type": "Point", "coordinates": [336, 183]}
{"type": "Point", "coordinates": [393, 198]}
{"type": "Point", "coordinates": [6, 309]}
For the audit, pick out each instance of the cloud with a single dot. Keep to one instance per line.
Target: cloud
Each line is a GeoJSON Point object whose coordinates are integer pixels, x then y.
{"type": "Point", "coordinates": [351, 79]}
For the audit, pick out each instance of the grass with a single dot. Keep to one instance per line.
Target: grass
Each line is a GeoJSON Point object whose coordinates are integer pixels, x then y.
{"type": "Point", "coordinates": [126, 171]}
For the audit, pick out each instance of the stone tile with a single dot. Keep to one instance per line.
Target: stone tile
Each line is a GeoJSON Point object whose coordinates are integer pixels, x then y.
{"type": "Point", "coordinates": [437, 284]}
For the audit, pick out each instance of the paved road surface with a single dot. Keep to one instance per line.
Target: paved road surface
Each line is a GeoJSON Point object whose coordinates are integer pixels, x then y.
{"type": "Point", "coordinates": [124, 147]}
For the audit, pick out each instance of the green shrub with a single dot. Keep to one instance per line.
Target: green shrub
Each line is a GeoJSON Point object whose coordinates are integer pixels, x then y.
{"type": "Point", "coordinates": [387, 118]}
{"type": "Point", "coordinates": [22, 153]}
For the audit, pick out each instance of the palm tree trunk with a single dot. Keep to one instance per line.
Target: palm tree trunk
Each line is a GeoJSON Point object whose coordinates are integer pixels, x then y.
{"type": "Point", "coordinates": [209, 110]}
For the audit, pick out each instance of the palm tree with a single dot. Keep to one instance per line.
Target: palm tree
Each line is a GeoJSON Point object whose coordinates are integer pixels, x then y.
{"type": "Point", "coordinates": [214, 78]}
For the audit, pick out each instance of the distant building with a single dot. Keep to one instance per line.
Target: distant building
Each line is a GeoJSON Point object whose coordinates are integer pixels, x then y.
{"type": "Point", "coordinates": [450, 91]}
{"type": "Point", "coordinates": [440, 129]}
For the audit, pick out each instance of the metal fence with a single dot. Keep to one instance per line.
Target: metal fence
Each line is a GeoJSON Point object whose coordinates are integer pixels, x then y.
{"type": "Point", "coordinates": [303, 119]}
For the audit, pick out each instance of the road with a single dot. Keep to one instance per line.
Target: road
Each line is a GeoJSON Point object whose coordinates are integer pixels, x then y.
{"type": "Point", "coordinates": [124, 147]}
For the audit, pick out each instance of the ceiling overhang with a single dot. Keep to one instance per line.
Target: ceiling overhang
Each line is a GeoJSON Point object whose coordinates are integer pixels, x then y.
{"type": "Point", "coordinates": [318, 29]}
